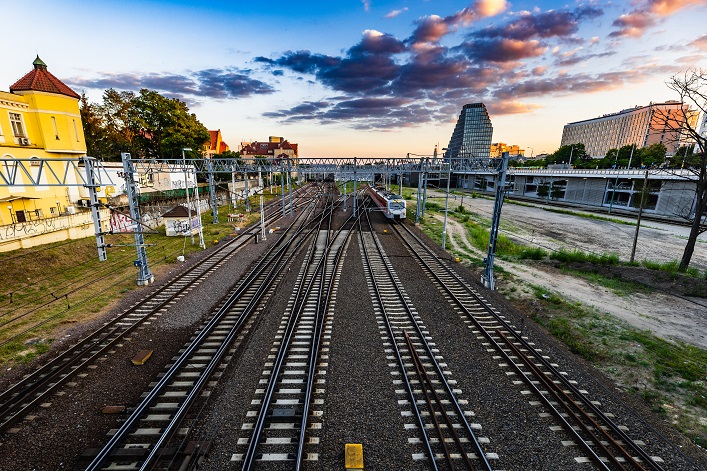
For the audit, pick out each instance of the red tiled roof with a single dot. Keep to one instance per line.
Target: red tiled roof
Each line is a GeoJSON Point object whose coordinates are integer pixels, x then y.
{"type": "Point", "coordinates": [214, 138]}
{"type": "Point", "coordinates": [41, 80]}
{"type": "Point", "coordinates": [268, 148]}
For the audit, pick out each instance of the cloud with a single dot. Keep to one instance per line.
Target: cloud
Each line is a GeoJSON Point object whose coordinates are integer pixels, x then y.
{"type": "Point", "coordinates": [368, 66]}
{"type": "Point", "coordinates": [366, 5]}
{"type": "Point", "coordinates": [486, 8]}
{"type": "Point", "coordinates": [213, 83]}
{"type": "Point", "coordinates": [383, 82]}
{"type": "Point", "coordinates": [394, 13]}
{"type": "Point", "coordinates": [433, 28]}
{"type": "Point", "coordinates": [700, 43]}
{"type": "Point", "coordinates": [510, 107]}
{"type": "Point", "coordinates": [301, 61]}
{"type": "Point", "coordinates": [647, 14]}
{"type": "Point", "coordinates": [502, 50]}
{"type": "Point", "coordinates": [554, 23]}
{"type": "Point", "coordinates": [574, 59]}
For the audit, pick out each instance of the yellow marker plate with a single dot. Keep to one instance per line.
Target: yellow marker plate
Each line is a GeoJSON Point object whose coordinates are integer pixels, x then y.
{"type": "Point", "coordinates": [141, 357]}
{"type": "Point", "coordinates": [354, 456]}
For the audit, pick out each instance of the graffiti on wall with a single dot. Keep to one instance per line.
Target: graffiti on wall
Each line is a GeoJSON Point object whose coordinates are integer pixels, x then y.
{"type": "Point", "coordinates": [23, 230]}
{"type": "Point", "coordinates": [120, 222]}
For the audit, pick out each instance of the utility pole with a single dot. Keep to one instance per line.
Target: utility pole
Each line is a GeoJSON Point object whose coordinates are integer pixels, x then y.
{"type": "Point", "coordinates": [446, 206]}
{"type": "Point", "coordinates": [234, 199]}
{"type": "Point", "coordinates": [212, 191]}
{"type": "Point", "coordinates": [282, 188]}
{"type": "Point", "coordinates": [289, 182]}
{"type": "Point", "coordinates": [145, 277]}
{"type": "Point", "coordinates": [644, 194]}
{"type": "Point", "coordinates": [198, 215]}
{"type": "Point", "coordinates": [89, 162]}
{"type": "Point", "coordinates": [262, 206]}
{"type": "Point", "coordinates": [354, 189]}
{"type": "Point", "coordinates": [424, 188]}
{"type": "Point", "coordinates": [418, 208]}
{"type": "Point", "coordinates": [247, 192]}
{"type": "Point", "coordinates": [487, 276]}
{"type": "Point", "coordinates": [186, 189]}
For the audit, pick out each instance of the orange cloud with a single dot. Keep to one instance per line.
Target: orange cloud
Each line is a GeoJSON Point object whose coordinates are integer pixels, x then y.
{"type": "Point", "coordinates": [636, 22]}
{"type": "Point", "coordinates": [512, 107]}
{"type": "Point", "coordinates": [700, 43]}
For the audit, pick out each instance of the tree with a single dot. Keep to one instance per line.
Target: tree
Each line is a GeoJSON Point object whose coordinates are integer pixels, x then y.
{"type": "Point", "coordinates": [97, 144]}
{"type": "Point", "coordinates": [683, 124]}
{"type": "Point", "coordinates": [146, 125]}
{"type": "Point", "coordinates": [163, 126]}
{"type": "Point", "coordinates": [650, 156]}
{"type": "Point", "coordinates": [567, 154]}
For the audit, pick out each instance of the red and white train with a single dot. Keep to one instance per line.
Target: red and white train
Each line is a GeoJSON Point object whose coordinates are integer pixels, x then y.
{"type": "Point", "coordinates": [392, 205]}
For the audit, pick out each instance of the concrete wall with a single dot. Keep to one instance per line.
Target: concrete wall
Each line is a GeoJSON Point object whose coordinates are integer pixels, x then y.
{"type": "Point", "coordinates": [48, 230]}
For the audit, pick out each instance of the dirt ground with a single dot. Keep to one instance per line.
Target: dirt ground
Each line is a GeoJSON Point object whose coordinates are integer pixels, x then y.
{"type": "Point", "coordinates": [666, 312]}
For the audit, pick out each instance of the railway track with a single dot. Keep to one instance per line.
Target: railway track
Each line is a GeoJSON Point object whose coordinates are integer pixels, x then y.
{"type": "Point", "coordinates": [439, 415]}
{"type": "Point", "coordinates": [287, 410]}
{"type": "Point", "coordinates": [154, 435]}
{"type": "Point", "coordinates": [603, 441]}
{"type": "Point", "coordinates": [35, 389]}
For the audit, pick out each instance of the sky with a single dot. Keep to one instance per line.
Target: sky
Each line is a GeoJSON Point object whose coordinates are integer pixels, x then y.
{"type": "Point", "coordinates": [366, 78]}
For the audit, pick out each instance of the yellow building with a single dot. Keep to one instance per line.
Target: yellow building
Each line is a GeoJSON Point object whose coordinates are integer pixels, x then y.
{"type": "Point", "coordinates": [498, 148]}
{"type": "Point", "coordinates": [39, 118]}
{"type": "Point", "coordinates": [215, 144]}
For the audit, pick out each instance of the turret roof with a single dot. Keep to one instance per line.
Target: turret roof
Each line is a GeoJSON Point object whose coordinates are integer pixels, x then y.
{"type": "Point", "coordinates": [41, 80]}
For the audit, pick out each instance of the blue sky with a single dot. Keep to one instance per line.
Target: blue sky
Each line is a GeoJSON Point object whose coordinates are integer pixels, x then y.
{"type": "Point", "coordinates": [368, 78]}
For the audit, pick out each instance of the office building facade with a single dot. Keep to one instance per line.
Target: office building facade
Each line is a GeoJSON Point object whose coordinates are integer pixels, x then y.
{"type": "Point", "coordinates": [642, 125]}
{"type": "Point", "coordinates": [472, 134]}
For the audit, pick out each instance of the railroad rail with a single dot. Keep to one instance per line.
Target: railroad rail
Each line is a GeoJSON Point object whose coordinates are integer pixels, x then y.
{"type": "Point", "coordinates": [280, 426]}
{"type": "Point", "coordinates": [448, 442]}
{"type": "Point", "coordinates": [22, 397]}
{"type": "Point", "coordinates": [600, 437]}
{"type": "Point", "coordinates": [145, 436]}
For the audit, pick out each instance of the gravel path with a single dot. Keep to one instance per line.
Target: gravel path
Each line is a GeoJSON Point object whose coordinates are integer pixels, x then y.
{"type": "Point", "coordinates": [665, 315]}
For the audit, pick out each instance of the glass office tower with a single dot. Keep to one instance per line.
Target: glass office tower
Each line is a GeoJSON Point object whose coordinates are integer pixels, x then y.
{"type": "Point", "coordinates": [471, 138]}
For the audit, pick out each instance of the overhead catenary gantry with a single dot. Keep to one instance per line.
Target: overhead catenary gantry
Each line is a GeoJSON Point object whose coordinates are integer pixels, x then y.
{"type": "Point", "coordinates": [67, 172]}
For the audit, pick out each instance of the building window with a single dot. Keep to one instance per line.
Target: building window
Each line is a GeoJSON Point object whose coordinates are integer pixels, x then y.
{"type": "Point", "coordinates": [17, 128]}
{"type": "Point", "coordinates": [56, 129]}
{"type": "Point", "coordinates": [38, 213]}
{"type": "Point", "coordinates": [76, 131]}
{"type": "Point", "coordinates": [52, 210]}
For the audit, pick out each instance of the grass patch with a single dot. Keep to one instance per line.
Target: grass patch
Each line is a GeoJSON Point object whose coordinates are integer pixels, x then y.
{"type": "Point", "coordinates": [63, 283]}
{"type": "Point", "coordinates": [665, 375]}
{"type": "Point", "coordinates": [577, 256]}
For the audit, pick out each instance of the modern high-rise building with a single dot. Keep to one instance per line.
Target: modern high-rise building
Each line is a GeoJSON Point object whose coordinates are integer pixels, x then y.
{"type": "Point", "coordinates": [471, 138]}
{"type": "Point", "coordinates": [642, 125]}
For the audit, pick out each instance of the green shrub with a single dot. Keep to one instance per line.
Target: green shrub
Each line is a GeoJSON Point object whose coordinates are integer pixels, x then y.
{"type": "Point", "coordinates": [568, 256]}
{"type": "Point", "coordinates": [533, 253]}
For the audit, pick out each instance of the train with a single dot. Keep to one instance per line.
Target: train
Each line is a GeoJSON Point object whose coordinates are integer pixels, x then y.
{"type": "Point", "coordinates": [392, 205]}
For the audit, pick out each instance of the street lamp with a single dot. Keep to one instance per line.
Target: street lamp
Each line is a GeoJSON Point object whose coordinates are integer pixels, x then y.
{"type": "Point", "coordinates": [12, 216]}
{"type": "Point", "coordinates": [186, 188]}
{"type": "Point", "coordinates": [569, 164]}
